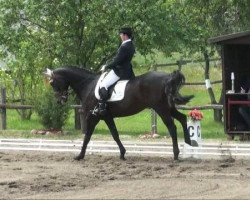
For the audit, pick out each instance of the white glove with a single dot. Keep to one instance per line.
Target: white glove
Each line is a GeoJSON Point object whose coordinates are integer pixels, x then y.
{"type": "Point", "coordinates": [103, 68]}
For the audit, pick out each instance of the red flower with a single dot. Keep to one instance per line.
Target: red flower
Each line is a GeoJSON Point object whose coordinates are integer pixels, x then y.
{"type": "Point", "coordinates": [195, 115]}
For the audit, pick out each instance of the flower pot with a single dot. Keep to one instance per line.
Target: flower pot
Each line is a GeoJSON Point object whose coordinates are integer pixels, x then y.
{"type": "Point", "coordinates": [194, 129]}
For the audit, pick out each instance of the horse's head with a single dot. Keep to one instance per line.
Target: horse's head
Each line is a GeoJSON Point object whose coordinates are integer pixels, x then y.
{"type": "Point", "coordinates": [59, 85]}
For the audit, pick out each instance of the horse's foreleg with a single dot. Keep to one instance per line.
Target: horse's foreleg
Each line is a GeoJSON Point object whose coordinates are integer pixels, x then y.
{"type": "Point", "coordinates": [89, 126]}
{"type": "Point", "coordinates": [183, 120]}
{"type": "Point", "coordinates": [112, 127]}
{"type": "Point", "coordinates": [86, 140]}
{"type": "Point", "coordinates": [172, 130]}
{"type": "Point", "coordinates": [169, 122]}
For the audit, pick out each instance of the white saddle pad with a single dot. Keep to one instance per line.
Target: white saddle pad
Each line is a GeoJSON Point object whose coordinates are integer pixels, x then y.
{"type": "Point", "coordinates": [118, 91]}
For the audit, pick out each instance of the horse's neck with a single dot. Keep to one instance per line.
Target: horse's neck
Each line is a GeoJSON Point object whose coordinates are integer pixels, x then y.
{"type": "Point", "coordinates": [80, 83]}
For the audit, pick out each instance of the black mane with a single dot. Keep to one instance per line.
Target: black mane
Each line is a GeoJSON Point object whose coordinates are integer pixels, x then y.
{"type": "Point", "coordinates": [76, 72]}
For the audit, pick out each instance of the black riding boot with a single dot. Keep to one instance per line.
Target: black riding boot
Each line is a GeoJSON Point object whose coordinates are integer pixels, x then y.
{"type": "Point", "coordinates": [101, 108]}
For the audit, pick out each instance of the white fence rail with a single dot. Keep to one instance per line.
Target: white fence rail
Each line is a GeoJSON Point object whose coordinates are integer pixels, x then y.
{"type": "Point", "coordinates": [207, 150]}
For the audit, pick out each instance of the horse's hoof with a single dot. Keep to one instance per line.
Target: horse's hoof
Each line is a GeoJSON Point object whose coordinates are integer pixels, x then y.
{"type": "Point", "coordinates": [122, 158]}
{"type": "Point", "coordinates": [176, 158]}
{"type": "Point", "coordinates": [122, 154]}
{"type": "Point", "coordinates": [78, 158]}
{"type": "Point", "coordinates": [188, 141]}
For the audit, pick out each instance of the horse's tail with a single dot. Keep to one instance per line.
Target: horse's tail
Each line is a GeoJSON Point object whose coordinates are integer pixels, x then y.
{"type": "Point", "coordinates": [172, 86]}
{"type": "Point", "coordinates": [182, 99]}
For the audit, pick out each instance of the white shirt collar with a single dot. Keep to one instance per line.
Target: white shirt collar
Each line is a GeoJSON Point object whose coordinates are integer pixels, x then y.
{"type": "Point", "coordinates": [128, 40]}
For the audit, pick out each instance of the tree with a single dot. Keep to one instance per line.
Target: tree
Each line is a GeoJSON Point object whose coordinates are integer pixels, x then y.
{"type": "Point", "coordinates": [85, 33]}
{"type": "Point", "coordinates": [201, 20]}
{"type": "Point", "coordinates": [62, 32]}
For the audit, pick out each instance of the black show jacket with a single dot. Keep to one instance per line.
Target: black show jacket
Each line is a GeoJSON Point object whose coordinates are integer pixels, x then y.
{"type": "Point", "coordinates": [121, 63]}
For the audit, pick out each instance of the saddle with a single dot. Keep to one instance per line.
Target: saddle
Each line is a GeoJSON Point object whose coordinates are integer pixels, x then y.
{"type": "Point", "coordinates": [116, 91]}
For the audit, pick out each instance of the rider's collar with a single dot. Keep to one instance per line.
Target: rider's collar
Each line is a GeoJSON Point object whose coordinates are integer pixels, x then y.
{"type": "Point", "coordinates": [128, 40]}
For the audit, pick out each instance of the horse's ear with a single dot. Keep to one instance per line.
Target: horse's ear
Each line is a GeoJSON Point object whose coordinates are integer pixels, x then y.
{"type": "Point", "coordinates": [49, 74]}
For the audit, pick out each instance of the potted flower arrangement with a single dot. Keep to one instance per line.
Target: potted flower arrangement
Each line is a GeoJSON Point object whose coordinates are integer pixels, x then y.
{"type": "Point", "coordinates": [194, 126]}
{"type": "Point", "coordinates": [195, 115]}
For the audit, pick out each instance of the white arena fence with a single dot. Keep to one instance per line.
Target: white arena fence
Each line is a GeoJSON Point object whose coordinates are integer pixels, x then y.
{"type": "Point", "coordinates": [205, 150]}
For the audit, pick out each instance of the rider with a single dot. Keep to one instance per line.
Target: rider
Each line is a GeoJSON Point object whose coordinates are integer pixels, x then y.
{"type": "Point", "coordinates": [120, 68]}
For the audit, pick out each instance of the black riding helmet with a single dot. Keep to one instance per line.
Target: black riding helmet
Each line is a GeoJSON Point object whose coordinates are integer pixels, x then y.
{"type": "Point", "coordinates": [126, 30]}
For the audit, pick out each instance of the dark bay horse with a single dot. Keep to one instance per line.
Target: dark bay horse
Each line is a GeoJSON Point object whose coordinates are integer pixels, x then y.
{"type": "Point", "coordinates": [156, 90]}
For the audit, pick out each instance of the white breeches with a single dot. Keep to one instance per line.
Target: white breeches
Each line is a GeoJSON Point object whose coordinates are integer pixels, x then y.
{"type": "Point", "coordinates": [109, 79]}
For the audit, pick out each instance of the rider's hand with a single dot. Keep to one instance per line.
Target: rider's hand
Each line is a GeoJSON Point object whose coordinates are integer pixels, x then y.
{"type": "Point", "coordinates": [103, 68]}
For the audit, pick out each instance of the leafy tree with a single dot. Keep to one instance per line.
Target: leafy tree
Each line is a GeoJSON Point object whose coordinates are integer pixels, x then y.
{"type": "Point", "coordinates": [52, 115]}
{"type": "Point", "coordinates": [16, 41]}
{"type": "Point", "coordinates": [85, 33]}
{"type": "Point", "coordinates": [200, 20]}
{"type": "Point", "coordinates": [53, 33]}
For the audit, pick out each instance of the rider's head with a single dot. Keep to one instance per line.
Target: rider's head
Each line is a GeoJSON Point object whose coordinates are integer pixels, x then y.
{"type": "Point", "coordinates": [126, 33]}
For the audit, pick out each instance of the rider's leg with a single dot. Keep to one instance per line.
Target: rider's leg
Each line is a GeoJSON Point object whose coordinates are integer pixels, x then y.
{"type": "Point", "coordinates": [109, 80]}
{"type": "Point", "coordinates": [102, 105]}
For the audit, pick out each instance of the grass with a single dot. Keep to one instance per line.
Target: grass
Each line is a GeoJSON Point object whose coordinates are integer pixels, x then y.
{"type": "Point", "coordinates": [132, 126]}
{"type": "Point", "coordinates": [140, 123]}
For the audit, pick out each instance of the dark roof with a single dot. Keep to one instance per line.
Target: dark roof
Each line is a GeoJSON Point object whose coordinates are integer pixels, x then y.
{"type": "Point", "coordinates": [234, 38]}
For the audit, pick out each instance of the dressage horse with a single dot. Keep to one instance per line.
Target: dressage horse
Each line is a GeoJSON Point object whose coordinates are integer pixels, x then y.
{"type": "Point", "coordinates": [156, 90]}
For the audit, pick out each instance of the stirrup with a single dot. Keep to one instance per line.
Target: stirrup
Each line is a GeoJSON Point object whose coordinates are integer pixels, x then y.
{"type": "Point", "coordinates": [95, 111]}
{"type": "Point", "coordinates": [99, 111]}
{"type": "Point", "coordinates": [102, 108]}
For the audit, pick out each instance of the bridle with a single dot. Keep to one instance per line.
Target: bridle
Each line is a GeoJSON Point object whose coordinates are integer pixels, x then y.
{"type": "Point", "coordinates": [62, 96]}
{"type": "Point", "coordinates": [65, 94]}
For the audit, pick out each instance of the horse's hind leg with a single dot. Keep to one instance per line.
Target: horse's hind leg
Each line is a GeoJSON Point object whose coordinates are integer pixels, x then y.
{"type": "Point", "coordinates": [169, 122]}
{"type": "Point", "coordinates": [183, 120]}
{"type": "Point", "coordinates": [112, 127]}
{"type": "Point", "coordinates": [89, 126]}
